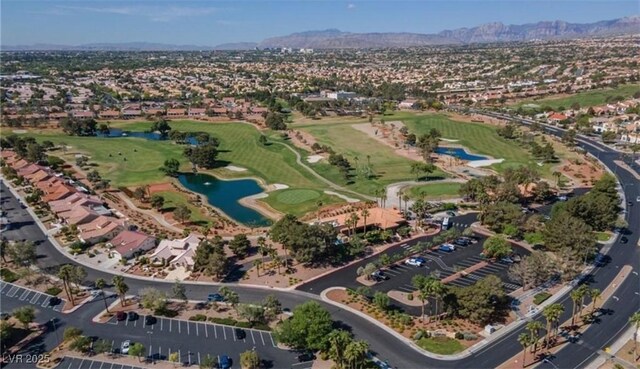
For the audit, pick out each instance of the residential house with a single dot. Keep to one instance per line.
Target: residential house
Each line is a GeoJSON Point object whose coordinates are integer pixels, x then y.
{"type": "Point", "coordinates": [75, 200]}
{"type": "Point", "coordinates": [177, 252]}
{"type": "Point", "coordinates": [556, 118]}
{"type": "Point", "coordinates": [129, 244]}
{"type": "Point", "coordinates": [197, 112]}
{"type": "Point", "coordinates": [176, 113]}
{"type": "Point", "coordinates": [408, 104]}
{"type": "Point", "coordinates": [109, 114]}
{"type": "Point", "coordinates": [100, 229]}
{"type": "Point", "coordinates": [131, 113]}
{"type": "Point", "coordinates": [83, 114]}
{"type": "Point", "coordinates": [79, 215]}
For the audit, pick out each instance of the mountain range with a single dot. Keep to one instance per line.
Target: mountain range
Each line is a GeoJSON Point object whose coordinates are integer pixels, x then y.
{"type": "Point", "coordinates": [336, 39]}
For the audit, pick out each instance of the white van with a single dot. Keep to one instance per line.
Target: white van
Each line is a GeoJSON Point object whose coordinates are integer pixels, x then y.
{"type": "Point", "coordinates": [445, 223]}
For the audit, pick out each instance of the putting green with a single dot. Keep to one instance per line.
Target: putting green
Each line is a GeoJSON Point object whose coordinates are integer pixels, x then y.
{"type": "Point", "coordinates": [293, 197]}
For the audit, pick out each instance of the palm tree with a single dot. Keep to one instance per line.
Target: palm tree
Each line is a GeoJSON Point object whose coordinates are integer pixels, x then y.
{"type": "Point", "coordinates": [101, 284]}
{"type": "Point", "coordinates": [575, 297]}
{"type": "Point", "coordinates": [277, 260]}
{"type": "Point", "coordinates": [525, 341]}
{"type": "Point", "coordinates": [354, 221]}
{"type": "Point", "coordinates": [257, 263]}
{"type": "Point", "coordinates": [635, 320]}
{"type": "Point", "coordinates": [594, 293]}
{"type": "Point", "coordinates": [552, 314]}
{"type": "Point", "coordinates": [534, 328]}
{"type": "Point", "coordinates": [365, 214]}
{"type": "Point", "coordinates": [438, 290]}
{"type": "Point", "coordinates": [423, 295]}
{"type": "Point", "coordinates": [338, 341]}
{"type": "Point", "coordinates": [66, 274]}
{"type": "Point", "coordinates": [262, 247]}
{"type": "Point", "coordinates": [355, 159]}
{"type": "Point", "coordinates": [205, 230]}
{"type": "Point", "coordinates": [121, 287]}
{"type": "Point", "coordinates": [406, 198]}
{"type": "Point", "coordinates": [383, 197]}
{"type": "Point", "coordinates": [356, 353]}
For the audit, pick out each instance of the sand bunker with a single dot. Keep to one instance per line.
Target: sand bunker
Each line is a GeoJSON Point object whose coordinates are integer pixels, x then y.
{"type": "Point", "coordinates": [233, 168]}
{"type": "Point", "coordinates": [449, 139]}
{"type": "Point", "coordinates": [484, 163]}
{"type": "Point", "coordinates": [279, 186]}
{"type": "Point", "coordinates": [314, 158]}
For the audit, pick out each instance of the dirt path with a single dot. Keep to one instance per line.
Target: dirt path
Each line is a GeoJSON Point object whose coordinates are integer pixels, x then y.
{"type": "Point", "coordinates": [159, 218]}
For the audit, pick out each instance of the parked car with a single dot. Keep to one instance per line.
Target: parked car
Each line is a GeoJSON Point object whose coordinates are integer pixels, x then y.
{"type": "Point", "coordinates": [600, 260]}
{"type": "Point", "coordinates": [240, 333]}
{"type": "Point", "coordinates": [150, 320]}
{"type": "Point", "coordinates": [215, 297]}
{"type": "Point", "coordinates": [306, 356]}
{"type": "Point", "coordinates": [562, 198]}
{"type": "Point", "coordinates": [225, 362]}
{"type": "Point", "coordinates": [630, 203]}
{"type": "Point", "coordinates": [506, 260]}
{"type": "Point", "coordinates": [516, 258]}
{"type": "Point", "coordinates": [624, 239]}
{"type": "Point", "coordinates": [379, 275]}
{"type": "Point", "coordinates": [462, 241]}
{"type": "Point", "coordinates": [121, 315]}
{"type": "Point", "coordinates": [451, 213]}
{"type": "Point", "coordinates": [124, 348]}
{"type": "Point", "coordinates": [417, 261]}
{"type": "Point", "coordinates": [53, 301]}
{"type": "Point", "coordinates": [132, 315]}
{"type": "Point", "coordinates": [447, 247]}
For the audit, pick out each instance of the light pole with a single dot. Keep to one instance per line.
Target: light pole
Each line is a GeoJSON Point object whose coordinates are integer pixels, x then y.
{"type": "Point", "coordinates": [150, 353]}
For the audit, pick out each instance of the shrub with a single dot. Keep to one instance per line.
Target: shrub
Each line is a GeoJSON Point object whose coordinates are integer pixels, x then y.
{"type": "Point", "coordinates": [243, 324]}
{"type": "Point", "coordinates": [541, 297]}
{"type": "Point", "coordinates": [53, 291]}
{"type": "Point", "coordinates": [363, 291]}
{"type": "Point", "coordinates": [198, 318]}
{"type": "Point", "coordinates": [459, 335]}
{"type": "Point", "coordinates": [418, 335]}
{"type": "Point", "coordinates": [8, 276]}
{"type": "Point", "coordinates": [470, 337]}
{"type": "Point", "coordinates": [261, 326]}
{"type": "Point", "coordinates": [410, 296]}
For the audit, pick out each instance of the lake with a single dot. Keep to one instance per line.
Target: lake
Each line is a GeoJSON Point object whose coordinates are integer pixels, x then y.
{"type": "Point", "coordinates": [459, 153]}
{"type": "Point", "coordinates": [224, 195]}
{"type": "Point", "coordinates": [155, 136]}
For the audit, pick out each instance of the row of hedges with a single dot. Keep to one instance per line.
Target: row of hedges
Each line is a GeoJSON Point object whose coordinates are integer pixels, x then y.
{"type": "Point", "coordinates": [8, 276]}
{"type": "Point", "coordinates": [541, 297]}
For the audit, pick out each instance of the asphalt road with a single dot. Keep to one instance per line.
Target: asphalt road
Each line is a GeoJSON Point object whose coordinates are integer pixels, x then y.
{"type": "Point", "coordinates": [384, 345]}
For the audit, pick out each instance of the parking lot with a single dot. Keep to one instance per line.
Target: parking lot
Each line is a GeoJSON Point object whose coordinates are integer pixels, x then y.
{"type": "Point", "coordinates": [76, 363]}
{"type": "Point", "coordinates": [28, 296]}
{"type": "Point", "coordinates": [443, 264]}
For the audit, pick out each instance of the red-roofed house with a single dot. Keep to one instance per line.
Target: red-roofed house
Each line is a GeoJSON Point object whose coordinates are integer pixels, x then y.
{"type": "Point", "coordinates": [557, 117]}
{"type": "Point", "coordinates": [58, 192]}
{"type": "Point", "coordinates": [130, 243]}
{"type": "Point", "coordinates": [79, 215]}
{"type": "Point", "coordinates": [28, 170]}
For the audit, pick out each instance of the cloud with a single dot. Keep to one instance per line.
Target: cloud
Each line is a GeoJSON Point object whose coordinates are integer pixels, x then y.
{"type": "Point", "coordinates": [351, 6]}
{"type": "Point", "coordinates": [153, 13]}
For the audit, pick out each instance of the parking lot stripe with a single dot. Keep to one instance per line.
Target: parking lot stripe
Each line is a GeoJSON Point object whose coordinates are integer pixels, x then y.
{"type": "Point", "coordinates": [188, 329]}
{"type": "Point", "coordinates": [101, 364]}
{"type": "Point", "coordinates": [12, 291]}
{"type": "Point", "coordinates": [90, 365]}
{"type": "Point", "coordinates": [215, 332]}
{"type": "Point", "coordinates": [169, 324]}
{"type": "Point", "coordinates": [111, 367]}
{"type": "Point", "coordinates": [253, 338]}
{"type": "Point", "coordinates": [206, 333]}
{"type": "Point", "coordinates": [262, 338]}
{"type": "Point", "coordinates": [273, 343]}
{"type": "Point", "coordinates": [234, 337]}
{"type": "Point", "coordinates": [135, 323]}
{"type": "Point", "coordinates": [82, 362]}
{"type": "Point", "coordinates": [225, 333]}
{"type": "Point", "coordinates": [197, 333]}
{"type": "Point", "coordinates": [126, 322]}
{"type": "Point", "coordinates": [35, 298]}
{"type": "Point", "coordinates": [70, 363]}
{"type": "Point", "coordinates": [161, 323]}
{"type": "Point", "coordinates": [179, 331]}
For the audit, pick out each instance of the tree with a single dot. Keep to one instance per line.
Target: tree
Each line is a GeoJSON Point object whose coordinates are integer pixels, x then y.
{"type": "Point", "coordinates": [381, 300]}
{"type": "Point", "coordinates": [525, 340]}
{"type": "Point", "coordinates": [497, 216]}
{"type": "Point", "coordinates": [240, 245]}
{"type": "Point", "coordinates": [356, 353]}
{"type": "Point", "coordinates": [153, 299]}
{"type": "Point", "coordinates": [365, 213]}
{"type": "Point", "coordinates": [480, 301]}
{"type": "Point", "coordinates": [137, 349]}
{"type": "Point", "coordinates": [420, 169]}
{"type": "Point", "coordinates": [23, 253]}
{"type": "Point", "coordinates": [81, 344]}
{"type": "Point", "coordinates": [250, 359]}
{"type": "Point", "coordinates": [307, 329]}
{"type": "Point", "coordinates": [534, 328]}
{"type": "Point", "coordinates": [496, 247]}
{"type": "Point", "coordinates": [25, 315]}
{"type": "Point", "coordinates": [557, 176]}
{"type": "Point", "coordinates": [101, 284]}
{"type": "Point", "coordinates": [179, 291]}
{"type": "Point", "coordinates": [208, 362]}
{"type": "Point", "coordinates": [157, 201]}
{"type": "Point", "coordinates": [252, 313]}
{"type": "Point", "coordinates": [174, 357]}
{"type": "Point", "coordinates": [565, 231]}
{"type": "Point", "coordinates": [182, 213]}
{"type": "Point", "coordinates": [533, 270]}
{"type": "Point", "coordinates": [161, 126]}
{"type": "Point", "coordinates": [6, 331]}
{"type": "Point", "coordinates": [635, 321]}
{"type": "Point", "coordinates": [78, 276]}
{"type": "Point", "coordinates": [272, 306]}
{"type": "Point", "coordinates": [139, 193]}
{"type": "Point", "coordinates": [202, 155]}
{"type": "Point", "coordinates": [263, 140]}
{"type": "Point", "coordinates": [121, 287]}
{"type": "Point", "coordinates": [65, 274]}
{"type": "Point", "coordinates": [101, 346]}
{"type": "Point", "coordinates": [577, 296]}
{"type": "Point", "coordinates": [594, 293]}
{"type": "Point", "coordinates": [551, 313]}
{"type": "Point", "coordinates": [171, 167]}
{"type": "Point", "coordinates": [337, 342]}
{"type": "Point", "coordinates": [230, 296]}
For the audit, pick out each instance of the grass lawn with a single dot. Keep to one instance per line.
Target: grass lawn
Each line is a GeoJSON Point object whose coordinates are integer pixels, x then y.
{"type": "Point", "coordinates": [435, 191]}
{"type": "Point", "coordinates": [603, 236]}
{"type": "Point", "coordinates": [441, 345]}
{"type": "Point", "coordinates": [587, 98]}
{"type": "Point", "coordinates": [387, 166]}
{"type": "Point", "coordinates": [478, 138]}
{"type": "Point", "coordinates": [238, 146]}
{"type": "Point", "coordinates": [298, 201]}
{"type": "Point", "coordinates": [173, 199]}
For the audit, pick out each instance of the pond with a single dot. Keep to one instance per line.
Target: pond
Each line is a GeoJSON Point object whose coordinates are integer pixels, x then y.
{"type": "Point", "coordinates": [155, 136]}
{"type": "Point", "coordinates": [459, 153]}
{"type": "Point", "coordinates": [224, 195]}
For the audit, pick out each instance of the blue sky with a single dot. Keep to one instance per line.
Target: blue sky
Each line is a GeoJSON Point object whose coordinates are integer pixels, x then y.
{"type": "Point", "coordinates": [216, 22]}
